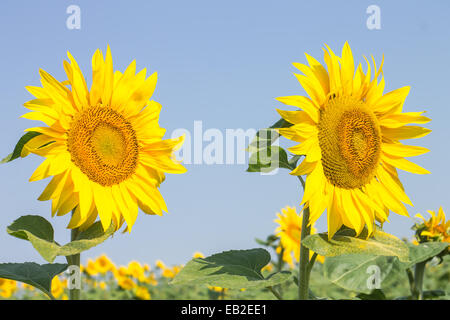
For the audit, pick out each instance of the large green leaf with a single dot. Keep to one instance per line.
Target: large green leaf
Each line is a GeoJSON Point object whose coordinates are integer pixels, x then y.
{"type": "Point", "coordinates": [380, 244]}
{"type": "Point", "coordinates": [19, 146]}
{"type": "Point", "coordinates": [39, 276]}
{"type": "Point", "coordinates": [233, 269]}
{"type": "Point", "coordinates": [354, 271]}
{"type": "Point", "coordinates": [423, 252]}
{"type": "Point", "coordinates": [39, 232]}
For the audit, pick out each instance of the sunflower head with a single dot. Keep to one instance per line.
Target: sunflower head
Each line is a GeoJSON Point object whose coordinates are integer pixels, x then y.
{"type": "Point", "coordinates": [142, 293]}
{"type": "Point", "coordinates": [103, 264]}
{"type": "Point", "coordinates": [91, 268]}
{"type": "Point", "coordinates": [136, 270]}
{"type": "Point", "coordinates": [126, 283]}
{"type": "Point", "coordinates": [103, 146]}
{"type": "Point", "coordinates": [349, 132]}
{"type": "Point", "coordinates": [289, 231]}
{"type": "Point", "coordinates": [7, 287]}
{"type": "Point", "coordinates": [436, 228]}
{"type": "Point", "coordinates": [198, 254]}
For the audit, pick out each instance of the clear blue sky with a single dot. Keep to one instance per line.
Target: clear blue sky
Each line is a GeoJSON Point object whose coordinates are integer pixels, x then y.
{"type": "Point", "coordinates": [222, 62]}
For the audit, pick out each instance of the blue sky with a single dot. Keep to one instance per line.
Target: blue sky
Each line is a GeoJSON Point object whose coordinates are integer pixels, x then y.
{"type": "Point", "coordinates": [222, 63]}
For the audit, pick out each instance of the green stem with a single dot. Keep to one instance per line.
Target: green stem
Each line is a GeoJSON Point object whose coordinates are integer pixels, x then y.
{"type": "Point", "coordinates": [75, 260]}
{"type": "Point", "coordinates": [49, 294]}
{"type": "Point", "coordinates": [279, 267]}
{"type": "Point", "coordinates": [280, 259]}
{"type": "Point", "coordinates": [410, 280]}
{"type": "Point", "coordinates": [311, 263]}
{"type": "Point", "coordinates": [303, 276]}
{"type": "Point", "coordinates": [275, 293]}
{"type": "Point", "coordinates": [419, 272]}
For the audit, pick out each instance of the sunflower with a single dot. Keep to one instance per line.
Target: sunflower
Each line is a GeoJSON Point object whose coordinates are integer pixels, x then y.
{"type": "Point", "coordinates": [289, 231]}
{"type": "Point", "coordinates": [198, 254]}
{"type": "Point", "coordinates": [103, 264]}
{"type": "Point", "coordinates": [91, 268]}
{"type": "Point", "coordinates": [102, 146]}
{"type": "Point", "coordinates": [126, 283]}
{"type": "Point", "coordinates": [142, 293]}
{"type": "Point", "coordinates": [433, 229]}
{"type": "Point", "coordinates": [57, 287]}
{"type": "Point", "coordinates": [7, 288]}
{"type": "Point", "coordinates": [136, 271]}
{"type": "Point", "coordinates": [349, 133]}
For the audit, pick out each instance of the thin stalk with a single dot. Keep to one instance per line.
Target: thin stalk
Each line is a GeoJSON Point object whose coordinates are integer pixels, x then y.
{"type": "Point", "coordinates": [419, 272]}
{"type": "Point", "coordinates": [311, 263]}
{"type": "Point", "coordinates": [279, 267]}
{"type": "Point", "coordinates": [410, 280]}
{"type": "Point", "coordinates": [303, 276]}
{"type": "Point", "coordinates": [275, 293]}
{"type": "Point", "coordinates": [74, 260]}
{"type": "Point", "coordinates": [280, 259]}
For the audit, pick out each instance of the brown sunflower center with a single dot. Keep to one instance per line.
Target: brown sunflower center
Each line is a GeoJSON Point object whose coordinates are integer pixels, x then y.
{"type": "Point", "coordinates": [103, 145]}
{"type": "Point", "coordinates": [349, 138]}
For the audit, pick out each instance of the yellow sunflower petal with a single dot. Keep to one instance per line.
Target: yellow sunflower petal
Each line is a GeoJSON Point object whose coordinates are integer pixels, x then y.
{"type": "Point", "coordinates": [405, 165]}
{"type": "Point", "coordinates": [303, 103]}
{"type": "Point", "coordinates": [401, 150]}
{"type": "Point", "coordinates": [405, 132]}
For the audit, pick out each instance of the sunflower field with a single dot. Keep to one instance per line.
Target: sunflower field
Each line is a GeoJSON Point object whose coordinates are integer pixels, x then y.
{"type": "Point", "coordinates": [104, 156]}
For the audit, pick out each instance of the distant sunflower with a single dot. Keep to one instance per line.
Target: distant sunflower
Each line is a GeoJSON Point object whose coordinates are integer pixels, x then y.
{"type": "Point", "coordinates": [436, 228]}
{"type": "Point", "coordinates": [103, 264]}
{"type": "Point", "coordinates": [349, 132]}
{"type": "Point", "coordinates": [289, 231]}
{"type": "Point", "coordinates": [102, 146]}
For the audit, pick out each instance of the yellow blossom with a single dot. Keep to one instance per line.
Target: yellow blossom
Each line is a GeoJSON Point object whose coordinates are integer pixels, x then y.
{"type": "Point", "coordinates": [142, 293]}
{"type": "Point", "coordinates": [103, 264]}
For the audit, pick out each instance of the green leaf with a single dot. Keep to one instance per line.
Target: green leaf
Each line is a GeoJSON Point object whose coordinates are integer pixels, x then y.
{"type": "Point", "coordinates": [39, 232]}
{"type": "Point", "coordinates": [233, 269]}
{"type": "Point", "coordinates": [39, 276]}
{"type": "Point", "coordinates": [376, 294]}
{"type": "Point", "coordinates": [266, 137]}
{"type": "Point", "coordinates": [268, 159]}
{"type": "Point", "coordinates": [265, 157]}
{"type": "Point", "coordinates": [423, 251]}
{"type": "Point", "coordinates": [87, 239]}
{"type": "Point", "coordinates": [19, 146]}
{"type": "Point", "coordinates": [269, 240]}
{"type": "Point", "coordinates": [356, 271]}
{"type": "Point", "coordinates": [429, 294]}
{"type": "Point", "coordinates": [380, 244]}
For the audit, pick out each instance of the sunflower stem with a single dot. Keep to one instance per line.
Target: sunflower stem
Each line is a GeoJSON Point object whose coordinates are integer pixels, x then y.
{"type": "Point", "coordinates": [303, 276]}
{"type": "Point", "coordinates": [411, 281]}
{"type": "Point", "coordinates": [311, 263]}
{"type": "Point", "coordinates": [419, 272]}
{"type": "Point", "coordinates": [275, 293]}
{"type": "Point", "coordinates": [280, 259]}
{"type": "Point", "coordinates": [74, 261]}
